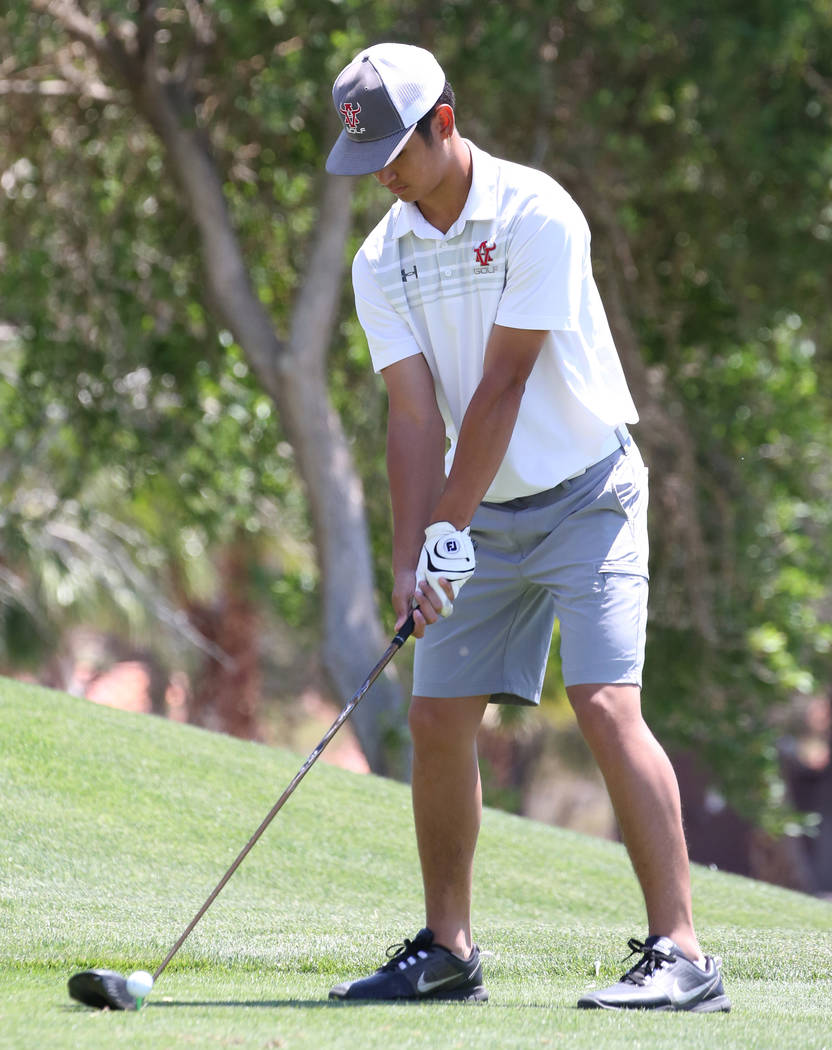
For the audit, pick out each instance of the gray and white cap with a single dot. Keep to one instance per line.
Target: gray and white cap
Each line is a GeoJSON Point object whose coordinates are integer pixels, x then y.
{"type": "Point", "coordinates": [380, 96]}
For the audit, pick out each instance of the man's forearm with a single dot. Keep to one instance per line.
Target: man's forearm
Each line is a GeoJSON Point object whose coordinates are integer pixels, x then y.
{"type": "Point", "coordinates": [415, 467]}
{"type": "Point", "coordinates": [489, 422]}
{"type": "Point", "coordinates": [483, 439]}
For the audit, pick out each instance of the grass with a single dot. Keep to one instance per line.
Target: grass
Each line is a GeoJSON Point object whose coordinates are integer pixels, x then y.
{"type": "Point", "coordinates": [114, 828]}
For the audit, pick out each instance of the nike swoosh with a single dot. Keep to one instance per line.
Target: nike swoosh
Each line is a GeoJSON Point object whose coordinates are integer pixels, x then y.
{"type": "Point", "coordinates": [680, 998]}
{"type": "Point", "coordinates": [466, 561]}
{"type": "Point", "coordinates": [424, 986]}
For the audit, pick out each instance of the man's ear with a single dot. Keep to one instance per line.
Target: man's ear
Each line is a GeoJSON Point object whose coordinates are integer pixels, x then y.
{"type": "Point", "coordinates": [445, 121]}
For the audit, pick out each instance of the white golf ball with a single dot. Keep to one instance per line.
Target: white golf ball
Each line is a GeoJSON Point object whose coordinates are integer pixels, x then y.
{"type": "Point", "coordinates": [139, 984]}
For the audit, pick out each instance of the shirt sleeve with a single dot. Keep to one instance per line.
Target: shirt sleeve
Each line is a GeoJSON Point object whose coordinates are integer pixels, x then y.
{"type": "Point", "coordinates": [546, 263]}
{"type": "Point", "coordinates": [389, 337]}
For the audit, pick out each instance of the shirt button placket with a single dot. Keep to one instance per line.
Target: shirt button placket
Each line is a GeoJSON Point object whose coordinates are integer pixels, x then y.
{"type": "Point", "coordinates": [444, 270]}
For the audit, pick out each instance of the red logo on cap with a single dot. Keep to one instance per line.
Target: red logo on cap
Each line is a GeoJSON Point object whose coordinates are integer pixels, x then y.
{"type": "Point", "coordinates": [350, 111]}
{"type": "Point", "coordinates": [484, 251]}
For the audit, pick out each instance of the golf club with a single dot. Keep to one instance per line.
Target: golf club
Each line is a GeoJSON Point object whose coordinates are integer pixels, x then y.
{"type": "Point", "coordinates": [104, 989]}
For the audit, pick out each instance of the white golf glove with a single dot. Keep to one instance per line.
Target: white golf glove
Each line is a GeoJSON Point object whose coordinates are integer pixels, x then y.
{"type": "Point", "coordinates": [449, 554]}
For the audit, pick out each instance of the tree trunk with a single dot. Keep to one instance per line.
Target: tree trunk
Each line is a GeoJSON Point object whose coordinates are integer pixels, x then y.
{"type": "Point", "coordinates": [294, 376]}
{"type": "Point", "coordinates": [293, 373]}
{"type": "Point", "coordinates": [225, 695]}
{"type": "Point", "coordinates": [663, 436]}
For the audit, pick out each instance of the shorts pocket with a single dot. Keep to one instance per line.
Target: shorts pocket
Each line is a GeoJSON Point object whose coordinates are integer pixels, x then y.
{"type": "Point", "coordinates": [629, 485]}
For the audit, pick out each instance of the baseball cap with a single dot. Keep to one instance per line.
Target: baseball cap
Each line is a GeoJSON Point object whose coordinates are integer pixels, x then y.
{"type": "Point", "coordinates": [380, 96]}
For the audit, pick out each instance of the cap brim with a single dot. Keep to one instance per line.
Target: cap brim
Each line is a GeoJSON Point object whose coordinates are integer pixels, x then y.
{"type": "Point", "coordinates": [349, 157]}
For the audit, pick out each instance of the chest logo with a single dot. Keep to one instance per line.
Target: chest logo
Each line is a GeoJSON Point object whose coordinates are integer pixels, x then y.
{"type": "Point", "coordinates": [349, 111]}
{"type": "Point", "coordinates": [483, 253]}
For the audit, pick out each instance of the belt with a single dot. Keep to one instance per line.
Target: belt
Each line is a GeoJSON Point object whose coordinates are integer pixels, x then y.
{"type": "Point", "coordinates": [619, 438]}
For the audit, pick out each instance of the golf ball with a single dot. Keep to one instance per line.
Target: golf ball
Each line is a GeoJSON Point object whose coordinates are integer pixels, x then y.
{"type": "Point", "coordinates": [139, 984]}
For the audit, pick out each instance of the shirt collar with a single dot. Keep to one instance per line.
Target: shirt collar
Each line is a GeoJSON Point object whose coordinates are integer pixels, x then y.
{"type": "Point", "coordinates": [481, 202]}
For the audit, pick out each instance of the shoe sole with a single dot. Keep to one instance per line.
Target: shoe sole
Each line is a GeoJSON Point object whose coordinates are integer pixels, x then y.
{"type": "Point", "coordinates": [715, 1004]}
{"type": "Point", "coordinates": [465, 995]}
{"type": "Point", "coordinates": [478, 994]}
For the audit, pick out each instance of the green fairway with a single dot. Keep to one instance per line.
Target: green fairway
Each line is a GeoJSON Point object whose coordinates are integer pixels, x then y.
{"type": "Point", "coordinates": [115, 827]}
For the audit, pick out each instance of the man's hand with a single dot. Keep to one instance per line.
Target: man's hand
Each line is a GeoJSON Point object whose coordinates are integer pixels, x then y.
{"type": "Point", "coordinates": [447, 555]}
{"type": "Point", "coordinates": [408, 598]}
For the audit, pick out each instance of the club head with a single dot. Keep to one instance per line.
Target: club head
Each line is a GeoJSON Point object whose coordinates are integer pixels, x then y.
{"type": "Point", "coordinates": [101, 989]}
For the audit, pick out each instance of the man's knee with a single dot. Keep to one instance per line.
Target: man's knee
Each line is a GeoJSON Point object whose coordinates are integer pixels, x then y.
{"type": "Point", "coordinates": [604, 710]}
{"type": "Point", "coordinates": [443, 724]}
{"type": "Point", "coordinates": [425, 721]}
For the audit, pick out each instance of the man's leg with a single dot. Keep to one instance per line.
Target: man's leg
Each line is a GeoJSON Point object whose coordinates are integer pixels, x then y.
{"type": "Point", "coordinates": [447, 809]}
{"type": "Point", "coordinates": [645, 796]}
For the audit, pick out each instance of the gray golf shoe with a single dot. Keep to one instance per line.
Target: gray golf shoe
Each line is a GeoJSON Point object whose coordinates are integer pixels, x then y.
{"type": "Point", "coordinates": [663, 979]}
{"type": "Point", "coordinates": [419, 969]}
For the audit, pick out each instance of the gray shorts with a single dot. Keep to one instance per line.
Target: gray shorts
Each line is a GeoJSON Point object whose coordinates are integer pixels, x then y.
{"type": "Point", "coordinates": [577, 552]}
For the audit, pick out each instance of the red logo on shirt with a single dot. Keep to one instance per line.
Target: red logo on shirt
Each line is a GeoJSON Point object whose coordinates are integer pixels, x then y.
{"type": "Point", "coordinates": [350, 111]}
{"type": "Point", "coordinates": [484, 252]}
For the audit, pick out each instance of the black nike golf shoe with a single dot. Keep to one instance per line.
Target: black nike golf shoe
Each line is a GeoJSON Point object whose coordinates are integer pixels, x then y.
{"type": "Point", "coordinates": [664, 978]}
{"type": "Point", "coordinates": [420, 969]}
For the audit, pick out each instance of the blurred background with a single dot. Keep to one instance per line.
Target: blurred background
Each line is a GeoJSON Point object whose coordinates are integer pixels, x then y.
{"type": "Point", "coordinates": [194, 516]}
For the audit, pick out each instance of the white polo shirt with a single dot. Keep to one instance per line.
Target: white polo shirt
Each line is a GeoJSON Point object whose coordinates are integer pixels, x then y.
{"type": "Point", "coordinates": [518, 256]}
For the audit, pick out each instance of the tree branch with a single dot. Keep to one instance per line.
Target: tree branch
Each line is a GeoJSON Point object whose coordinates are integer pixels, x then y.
{"type": "Point", "coordinates": [146, 37]}
{"type": "Point", "coordinates": [820, 83]}
{"type": "Point", "coordinates": [56, 88]}
{"type": "Point", "coordinates": [108, 48]}
{"type": "Point", "coordinates": [200, 23]}
{"type": "Point", "coordinates": [316, 304]}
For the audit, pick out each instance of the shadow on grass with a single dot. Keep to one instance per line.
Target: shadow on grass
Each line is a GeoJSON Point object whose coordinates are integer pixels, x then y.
{"type": "Point", "coordinates": [306, 1004]}
{"type": "Point", "coordinates": [334, 1004]}
{"type": "Point", "coordinates": [263, 1003]}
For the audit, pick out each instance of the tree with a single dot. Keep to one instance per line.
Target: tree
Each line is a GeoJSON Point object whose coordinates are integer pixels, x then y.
{"type": "Point", "coordinates": [695, 138]}
{"type": "Point", "coordinates": [152, 63]}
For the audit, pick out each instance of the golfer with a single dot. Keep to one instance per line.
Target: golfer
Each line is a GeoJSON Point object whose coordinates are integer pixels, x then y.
{"type": "Point", "coordinates": [512, 472]}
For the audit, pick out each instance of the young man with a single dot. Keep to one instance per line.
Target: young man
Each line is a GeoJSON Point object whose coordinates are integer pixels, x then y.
{"type": "Point", "coordinates": [481, 313]}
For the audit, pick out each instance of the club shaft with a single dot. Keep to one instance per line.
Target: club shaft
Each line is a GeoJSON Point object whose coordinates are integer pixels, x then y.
{"type": "Point", "coordinates": [398, 641]}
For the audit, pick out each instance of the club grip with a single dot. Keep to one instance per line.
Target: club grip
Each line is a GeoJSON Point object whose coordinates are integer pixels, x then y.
{"type": "Point", "coordinates": [404, 632]}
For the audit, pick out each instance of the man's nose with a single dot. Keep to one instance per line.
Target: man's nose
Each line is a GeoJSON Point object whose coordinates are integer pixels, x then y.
{"type": "Point", "coordinates": [386, 175]}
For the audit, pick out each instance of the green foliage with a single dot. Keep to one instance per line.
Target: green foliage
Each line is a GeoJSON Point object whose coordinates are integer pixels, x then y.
{"type": "Point", "coordinates": [695, 136]}
{"type": "Point", "coordinates": [764, 433]}
{"type": "Point", "coordinates": [697, 141]}
{"type": "Point", "coordinates": [123, 398]}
